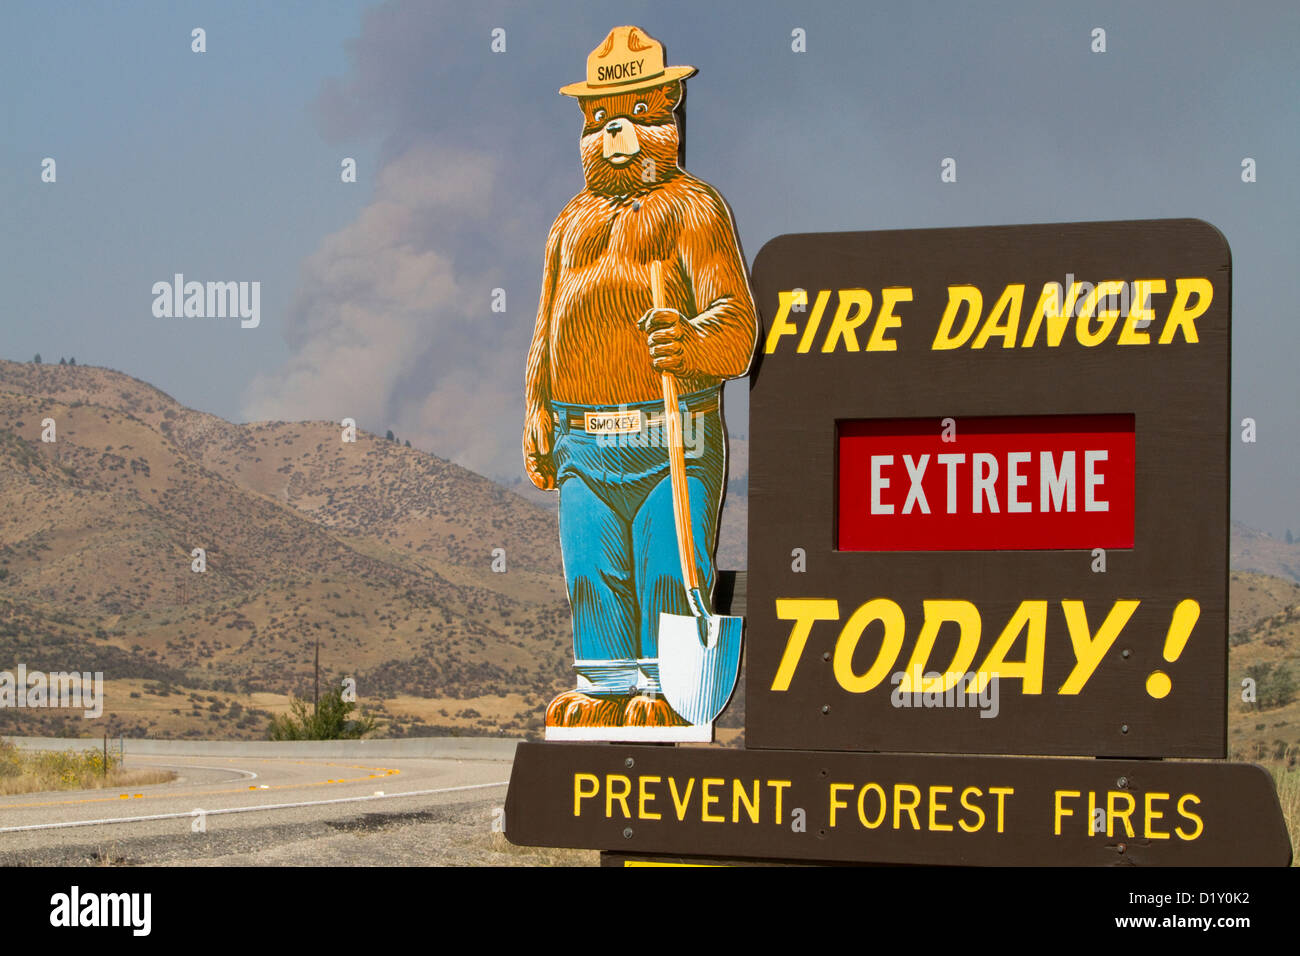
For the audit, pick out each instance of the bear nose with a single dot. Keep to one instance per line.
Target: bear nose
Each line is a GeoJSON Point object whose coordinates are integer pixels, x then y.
{"type": "Point", "coordinates": [613, 127]}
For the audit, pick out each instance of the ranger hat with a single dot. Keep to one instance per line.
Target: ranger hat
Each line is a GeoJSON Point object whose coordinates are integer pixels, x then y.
{"type": "Point", "coordinates": [629, 59]}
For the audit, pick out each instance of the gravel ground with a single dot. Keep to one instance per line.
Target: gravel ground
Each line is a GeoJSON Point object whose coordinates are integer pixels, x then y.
{"type": "Point", "coordinates": [454, 834]}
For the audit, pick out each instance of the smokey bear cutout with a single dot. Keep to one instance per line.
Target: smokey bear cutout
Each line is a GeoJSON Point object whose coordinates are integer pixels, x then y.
{"type": "Point", "coordinates": [594, 393]}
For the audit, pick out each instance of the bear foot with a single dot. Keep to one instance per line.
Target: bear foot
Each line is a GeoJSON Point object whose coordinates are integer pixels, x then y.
{"type": "Point", "coordinates": [645, 710]}
{"type": "Point", "coordinates": [573, 708]}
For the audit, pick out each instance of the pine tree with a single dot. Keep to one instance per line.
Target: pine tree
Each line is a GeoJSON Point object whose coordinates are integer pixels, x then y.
{"type": "Point", "coordinates": [37, 360]}
{"type": "Point", "coordinates": [408, 443]}
{"type": "Point", "coordinates": [1282, 687]}
{"type": "Point", "coordinates": [389, 436]}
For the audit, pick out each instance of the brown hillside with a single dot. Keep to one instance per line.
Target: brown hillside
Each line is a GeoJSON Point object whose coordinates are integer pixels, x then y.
{"type": "Point", "coordinates": [382, 551]}
{"type": "Point", "coordinates": [1252, 550]}
{"type": "Point", "coordinates": [1264, 643]}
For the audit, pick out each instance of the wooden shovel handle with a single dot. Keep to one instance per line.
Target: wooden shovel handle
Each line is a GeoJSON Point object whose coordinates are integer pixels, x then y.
{"type": "Point", "coordinates": [676, 455]}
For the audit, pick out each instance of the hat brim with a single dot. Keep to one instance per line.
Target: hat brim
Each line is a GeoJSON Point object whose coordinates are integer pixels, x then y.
{"type": "Point", "coordinates": [641, 83]}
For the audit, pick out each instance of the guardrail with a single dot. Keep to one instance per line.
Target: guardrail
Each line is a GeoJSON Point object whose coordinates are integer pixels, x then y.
{"type": "Point", "coordinates": [456, 748]}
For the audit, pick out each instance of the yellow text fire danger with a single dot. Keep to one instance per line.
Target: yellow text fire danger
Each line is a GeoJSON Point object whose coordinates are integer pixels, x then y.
{"type": "Point", "coordinates": [1116, 311]}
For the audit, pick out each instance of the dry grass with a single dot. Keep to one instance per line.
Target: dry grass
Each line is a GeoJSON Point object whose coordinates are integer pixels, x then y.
{"type": "Point", "coordinates": [1288, 793]}
{"type": "Point", "coordinates": [542, 855]}
{"type": "Point", "coordinates": [40, 770]}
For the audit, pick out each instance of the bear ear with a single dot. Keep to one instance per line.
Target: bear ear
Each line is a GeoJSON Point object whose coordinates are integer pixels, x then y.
{"type": "Point", "coordinates": [672, 93]}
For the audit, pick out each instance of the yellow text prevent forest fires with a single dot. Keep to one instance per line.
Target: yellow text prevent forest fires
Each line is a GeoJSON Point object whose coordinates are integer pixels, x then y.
{"type": "Point", "coordinates": [897, 805]}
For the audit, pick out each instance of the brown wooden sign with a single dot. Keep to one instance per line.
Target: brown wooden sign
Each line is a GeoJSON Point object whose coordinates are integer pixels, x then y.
{"type": "Point", "coordinates": [988, 491]}
{"type": "Point", "coordinates": [893, 808]}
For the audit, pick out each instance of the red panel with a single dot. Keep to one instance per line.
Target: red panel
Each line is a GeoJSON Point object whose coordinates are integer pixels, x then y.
{"type": "Point", "coordinates": [891, 472]}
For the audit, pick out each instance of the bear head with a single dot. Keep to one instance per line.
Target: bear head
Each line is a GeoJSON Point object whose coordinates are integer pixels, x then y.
{"type": "Point", "coordinates": [629, 140]}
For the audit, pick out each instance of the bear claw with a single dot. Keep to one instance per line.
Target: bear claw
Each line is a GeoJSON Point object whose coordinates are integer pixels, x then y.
{"type": "Point", "coordinates": [575, 709]}
{"type": "Point", "coordinates": [645, 710]}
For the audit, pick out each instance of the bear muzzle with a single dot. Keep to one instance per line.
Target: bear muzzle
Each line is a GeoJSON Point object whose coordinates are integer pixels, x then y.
{"type": "Point", "coordinates": [620, 142]}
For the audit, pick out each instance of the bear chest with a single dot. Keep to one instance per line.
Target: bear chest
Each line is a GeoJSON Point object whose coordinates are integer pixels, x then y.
{"type": "Point", "coordinates": [617, 231]}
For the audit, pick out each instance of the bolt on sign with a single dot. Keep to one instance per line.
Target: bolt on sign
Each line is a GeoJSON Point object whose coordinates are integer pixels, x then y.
{"type": "Point", "coordinates": [1003, 453]}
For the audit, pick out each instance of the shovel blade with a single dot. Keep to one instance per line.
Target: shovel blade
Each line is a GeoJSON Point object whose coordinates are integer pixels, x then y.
{"type": "Point", "coordinates": [697, 676]}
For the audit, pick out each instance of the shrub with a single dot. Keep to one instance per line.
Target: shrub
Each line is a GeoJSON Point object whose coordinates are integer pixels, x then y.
{"type": "Point", "coordinates": [11, 763]}
{"type": "Point", "coordinates": [330, 720]}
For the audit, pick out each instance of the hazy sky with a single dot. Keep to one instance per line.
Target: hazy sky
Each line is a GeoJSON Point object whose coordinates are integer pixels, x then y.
{"type": "Point", "coordinates": [375, 296]}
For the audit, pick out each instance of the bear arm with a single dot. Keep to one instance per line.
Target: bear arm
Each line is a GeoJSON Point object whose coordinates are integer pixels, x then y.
{"type": "Point", "coordinates": [727, 326]}
{"type": "Point", "coordinates": [537, 373]}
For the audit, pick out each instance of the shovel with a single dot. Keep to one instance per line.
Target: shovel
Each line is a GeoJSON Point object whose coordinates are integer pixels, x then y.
{"type": "Point", "coordinates": [699, 656]}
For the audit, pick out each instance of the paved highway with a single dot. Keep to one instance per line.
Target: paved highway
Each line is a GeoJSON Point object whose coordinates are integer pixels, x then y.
{"type": "Point", "coordinates": [269, 810]}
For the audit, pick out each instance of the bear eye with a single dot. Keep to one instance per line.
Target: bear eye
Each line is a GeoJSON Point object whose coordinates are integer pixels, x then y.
{"type": "Point", "coordinates": [640, 108]}
{"type": "Point", "coordinates": [598, 115]}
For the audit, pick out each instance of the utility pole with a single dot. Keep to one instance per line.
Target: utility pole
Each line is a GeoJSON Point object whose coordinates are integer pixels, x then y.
{"type": "Point", "coordinates": [315, 700]}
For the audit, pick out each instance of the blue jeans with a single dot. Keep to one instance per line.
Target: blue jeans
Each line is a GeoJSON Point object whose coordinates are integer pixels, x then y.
{"type": "Point", "coordinates": [618, 539]}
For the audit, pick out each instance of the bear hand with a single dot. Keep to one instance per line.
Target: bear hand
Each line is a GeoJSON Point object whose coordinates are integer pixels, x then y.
{"type": "Point", "coordinates": [670, 338]}
{"type": "Point", "coordinates": [539, 432]}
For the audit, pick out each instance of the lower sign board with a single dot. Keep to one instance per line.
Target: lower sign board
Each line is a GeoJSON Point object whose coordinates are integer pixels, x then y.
{"type": "Point", "coordinates": [894, 808]}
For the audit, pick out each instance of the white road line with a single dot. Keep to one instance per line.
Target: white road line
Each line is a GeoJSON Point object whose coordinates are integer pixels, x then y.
{"type": "Point", "coordinates": [270, 806]}
{"type": "Point", "coordinates": [248, 774]}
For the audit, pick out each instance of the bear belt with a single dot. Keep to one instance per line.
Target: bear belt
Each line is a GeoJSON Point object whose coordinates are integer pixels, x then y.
{"type": "Point", "coordinates": [630, 418]}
